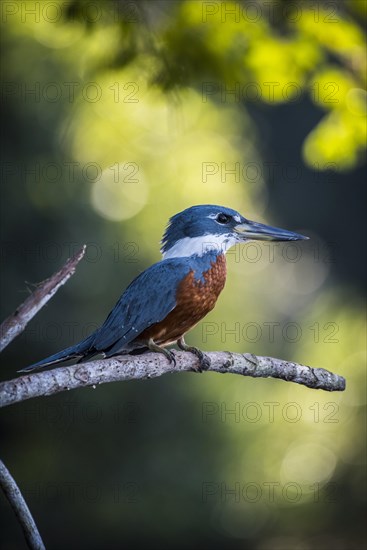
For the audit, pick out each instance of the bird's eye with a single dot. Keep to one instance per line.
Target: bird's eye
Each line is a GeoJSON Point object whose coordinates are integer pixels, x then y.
{"type": "Point", "coordinates": [223, 218]}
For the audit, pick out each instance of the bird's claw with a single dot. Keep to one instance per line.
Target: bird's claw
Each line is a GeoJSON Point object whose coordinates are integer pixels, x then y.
{"type": "Point", "coordinates": [158, 349]}
{"type": "Point", "coordinates": [204, 361]}
{"type": "Point", "coordinates": [170, 356]}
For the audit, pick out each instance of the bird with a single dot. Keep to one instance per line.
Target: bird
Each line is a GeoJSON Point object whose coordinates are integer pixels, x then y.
{"type": "Point", "coordinates": [170, 297]}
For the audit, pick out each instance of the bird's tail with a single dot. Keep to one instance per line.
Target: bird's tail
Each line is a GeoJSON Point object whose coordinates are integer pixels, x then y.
{"type": "Point", "coordinates": [79, 350]}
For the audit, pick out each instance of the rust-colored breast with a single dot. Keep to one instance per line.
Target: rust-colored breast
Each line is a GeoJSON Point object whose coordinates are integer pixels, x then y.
{"type": "Point", "coordinates": [195, 298]}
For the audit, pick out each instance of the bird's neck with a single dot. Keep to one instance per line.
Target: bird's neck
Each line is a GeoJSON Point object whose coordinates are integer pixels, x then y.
{"type": "Point", "coordinates": [204, 246]}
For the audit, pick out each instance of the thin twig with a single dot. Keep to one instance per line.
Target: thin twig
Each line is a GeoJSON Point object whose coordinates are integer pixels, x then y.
{"type": "Point", "coordinates": [151, 365]}
{"type": "Point", "coordinates": [20, 508]}
{"type": "Point", "coordinates": [9, 329]}
{"type": "Point", "coordinates": [16, 323]}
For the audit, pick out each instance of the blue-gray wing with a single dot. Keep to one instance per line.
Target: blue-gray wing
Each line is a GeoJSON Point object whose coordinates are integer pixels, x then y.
{"type": "Point", "coordinates": [147, 300]}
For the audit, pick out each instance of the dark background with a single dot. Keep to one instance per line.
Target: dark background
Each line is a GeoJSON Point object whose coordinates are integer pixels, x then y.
{"type": "Point", "coordinates": [186, 460]}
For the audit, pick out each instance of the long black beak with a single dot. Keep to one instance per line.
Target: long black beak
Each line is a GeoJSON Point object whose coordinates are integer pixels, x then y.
{"type": "Point", "coordinates": [259, 232]}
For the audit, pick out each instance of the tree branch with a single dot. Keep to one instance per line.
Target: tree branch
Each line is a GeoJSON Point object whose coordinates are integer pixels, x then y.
{"type": "Point", "coordinates": [9, 329]}
{"type": "Point", "coordinates": [20, 508]}
{"type": "Point", "coordinates": [152, 365]}
{"type": "Point", "coordinates": [16, 323]}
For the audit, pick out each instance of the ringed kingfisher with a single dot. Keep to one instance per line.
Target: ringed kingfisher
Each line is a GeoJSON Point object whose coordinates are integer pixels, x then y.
{"type": "Point", "coordinates": [169, 298]}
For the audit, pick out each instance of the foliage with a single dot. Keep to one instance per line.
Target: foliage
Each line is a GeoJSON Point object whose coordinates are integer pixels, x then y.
{"type": "Point", "coordinates": [117, 115]}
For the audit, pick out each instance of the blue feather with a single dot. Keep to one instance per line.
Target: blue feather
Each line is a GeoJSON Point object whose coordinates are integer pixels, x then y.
{"type": "Point", "coordinates": [147, 300]}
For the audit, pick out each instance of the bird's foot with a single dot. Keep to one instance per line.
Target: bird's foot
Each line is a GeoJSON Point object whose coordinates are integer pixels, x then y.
{"type": "Point", "coordinates": [204, 361]}
{"type": "Point", "coordinates": [166, 352]}
{"type": "Point", "coordinates": [170, 355]}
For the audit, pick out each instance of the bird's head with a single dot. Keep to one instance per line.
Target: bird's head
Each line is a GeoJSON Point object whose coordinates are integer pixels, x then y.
{"type": "Point", "coordinates": [201, 228]}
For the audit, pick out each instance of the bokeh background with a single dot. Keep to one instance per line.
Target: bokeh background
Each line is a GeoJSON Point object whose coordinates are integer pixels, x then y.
{"type": "Point", "coordinates": [116, 115]}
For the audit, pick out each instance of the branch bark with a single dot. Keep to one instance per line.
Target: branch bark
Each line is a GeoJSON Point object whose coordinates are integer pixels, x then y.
{"type": "Point", "coordinates": [20, 508]}
{"type": "Point", "coordinates": [9, 329]}
{"type": "Point", "coordinates": [16, 323]}
{"type": "Point", "coordinates": [152, 365]}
